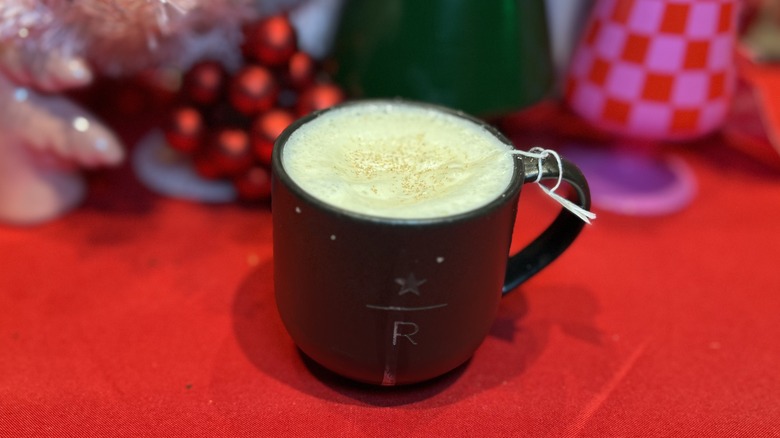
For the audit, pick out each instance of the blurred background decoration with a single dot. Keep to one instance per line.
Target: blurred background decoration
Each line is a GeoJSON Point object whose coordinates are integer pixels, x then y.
{"type": "Point", "coordinates": [218, 139]}
{"type": "Point", "coordinates": [484, 58]}
{"type": "Point", "coordinates": [655, 69]}
{"type": "Point", "coordinates": [222, 78]}
{"type": "Point", "coordinates": [651, 71]}
{"type": "Point", "coordinates": [49, 47]}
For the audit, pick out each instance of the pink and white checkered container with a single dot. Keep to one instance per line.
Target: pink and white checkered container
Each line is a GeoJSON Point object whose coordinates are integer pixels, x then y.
{"type": "Point", "coordinates": [655, 69]}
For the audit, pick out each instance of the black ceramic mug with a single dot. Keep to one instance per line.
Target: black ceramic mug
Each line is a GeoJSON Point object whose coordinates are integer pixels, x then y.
{"type": "Point", "coordinates": [394, 301]}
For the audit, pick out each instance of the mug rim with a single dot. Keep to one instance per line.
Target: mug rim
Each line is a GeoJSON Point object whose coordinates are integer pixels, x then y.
{"type": "Point", "coordinates": [279, 172]}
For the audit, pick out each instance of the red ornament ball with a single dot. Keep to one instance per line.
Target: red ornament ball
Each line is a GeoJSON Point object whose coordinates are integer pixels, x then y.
{"type": "Point", "coordinates": [318, 97]}
{"type": "Point", "coordinates": [254, 184]}
{"type": "Point", "coordinates": [230, 150]}
{"type": "Point", "coordinates": [301, 71]}
{"type": "Point", "coordinates": [231, 120]}
{"type": "Point", "coordinates": [265, 129]}
{"type": "Point", "coordinates": [183, 129]}
{"type": "Point", "coordinates": [271, 41]}
{"type": "Point", "coordinates": [253, 90]}
{"type": "Point", "coordinates": [204, 83]}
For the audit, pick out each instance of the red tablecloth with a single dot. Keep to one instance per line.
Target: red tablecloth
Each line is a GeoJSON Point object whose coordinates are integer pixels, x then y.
{"type": "Point", "coordinates": [138, 315]}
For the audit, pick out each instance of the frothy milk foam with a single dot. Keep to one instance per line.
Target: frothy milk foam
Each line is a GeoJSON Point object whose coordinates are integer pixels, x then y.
{"type": "Point", "coordinates": [398, 161]}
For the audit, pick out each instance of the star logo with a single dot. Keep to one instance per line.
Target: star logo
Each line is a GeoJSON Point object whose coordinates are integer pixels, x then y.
{"type": "Point", "coordinates": [410, 284]}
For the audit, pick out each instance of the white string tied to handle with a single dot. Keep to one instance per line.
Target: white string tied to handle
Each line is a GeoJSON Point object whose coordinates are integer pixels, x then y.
{"type": "Point", "coordinates": [541, 154]}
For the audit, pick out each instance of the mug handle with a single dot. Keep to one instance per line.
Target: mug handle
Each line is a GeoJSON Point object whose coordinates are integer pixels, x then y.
{"type": "Point", "coordinates": [561, 232]}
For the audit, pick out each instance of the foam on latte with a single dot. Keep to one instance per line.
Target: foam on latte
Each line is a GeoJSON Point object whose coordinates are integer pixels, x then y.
{"type": "Point", "coordinates": [398, 160]}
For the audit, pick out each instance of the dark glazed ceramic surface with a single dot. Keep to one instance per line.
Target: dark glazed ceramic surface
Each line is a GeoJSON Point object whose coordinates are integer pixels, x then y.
{"type": "Point", "coordinates": [395, 301]}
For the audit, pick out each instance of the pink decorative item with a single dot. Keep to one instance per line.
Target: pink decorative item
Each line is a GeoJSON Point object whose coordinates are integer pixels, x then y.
{"type": "Point", "coordinates": [44, 140]}
{"type": "Point", "coordinates": [48, 46]}
{"type": "Point", "coordinates": [655, 69]}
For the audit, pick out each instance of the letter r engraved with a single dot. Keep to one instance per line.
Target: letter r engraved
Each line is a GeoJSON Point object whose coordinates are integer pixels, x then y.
{"type": "Point", "coordinates": [406, 330]}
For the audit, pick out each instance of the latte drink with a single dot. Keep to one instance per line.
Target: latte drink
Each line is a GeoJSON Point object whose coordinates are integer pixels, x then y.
{"type": "Point", "coordinates": [398, 160]}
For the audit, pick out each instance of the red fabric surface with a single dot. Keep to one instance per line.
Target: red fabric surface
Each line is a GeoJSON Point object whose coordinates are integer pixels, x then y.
{"type": "Point", "coordinates": [765, 80]}
{"type": "Point", "coordinates": [138, 315]}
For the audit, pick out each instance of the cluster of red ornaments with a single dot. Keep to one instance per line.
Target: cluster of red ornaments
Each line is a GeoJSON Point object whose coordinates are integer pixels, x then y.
{"type": "Point", "coordinates": [228, 122]}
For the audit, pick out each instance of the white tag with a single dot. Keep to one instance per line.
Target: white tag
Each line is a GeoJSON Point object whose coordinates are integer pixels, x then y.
{"type": "Point", "coordinates": [540, 154]}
